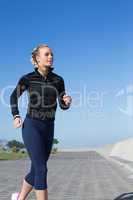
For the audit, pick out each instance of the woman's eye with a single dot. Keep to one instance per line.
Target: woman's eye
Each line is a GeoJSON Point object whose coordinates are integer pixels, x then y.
{"type": "Point", "coordinates": [46, 54]}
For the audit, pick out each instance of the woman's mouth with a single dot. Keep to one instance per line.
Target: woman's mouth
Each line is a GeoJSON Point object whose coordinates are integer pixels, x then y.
{"type": "Point", "coordinates": [50, 61]}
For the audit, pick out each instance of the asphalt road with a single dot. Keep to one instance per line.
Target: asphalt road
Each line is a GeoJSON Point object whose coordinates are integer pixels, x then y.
{"type": "Point", "coordinates": [71, 176]}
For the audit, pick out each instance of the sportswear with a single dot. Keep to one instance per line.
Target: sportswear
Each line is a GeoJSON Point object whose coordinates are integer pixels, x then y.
{"type": "Point", "coordinates": [43, 92]}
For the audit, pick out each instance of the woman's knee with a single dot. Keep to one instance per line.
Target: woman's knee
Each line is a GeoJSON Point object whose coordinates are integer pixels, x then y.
{"type": "Point", "coordinates": [30, 178]}
{"type": "Point", "coordinates": [40, 169]}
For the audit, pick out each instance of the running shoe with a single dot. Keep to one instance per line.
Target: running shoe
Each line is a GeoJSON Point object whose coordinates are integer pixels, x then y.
{"type": "Point", "coordinates": [15, 196]}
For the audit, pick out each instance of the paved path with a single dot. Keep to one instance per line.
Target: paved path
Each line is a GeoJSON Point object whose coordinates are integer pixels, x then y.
{"type": "Point", "coordinates": [71, 176]}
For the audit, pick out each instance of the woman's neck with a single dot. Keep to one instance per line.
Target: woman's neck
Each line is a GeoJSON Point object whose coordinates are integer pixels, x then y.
{"type": "Point", "coordinates": [44, 72]}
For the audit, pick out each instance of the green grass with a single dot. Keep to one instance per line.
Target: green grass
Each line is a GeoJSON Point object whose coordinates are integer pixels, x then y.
{"type": "Point", "coordinates": [11, 155]}
{"type": "Point", "coordinates": [4, 155]}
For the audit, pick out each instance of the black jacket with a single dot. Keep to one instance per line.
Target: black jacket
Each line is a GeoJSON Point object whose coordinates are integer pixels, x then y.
{"type": "Point", "coordinates": [42, 94]}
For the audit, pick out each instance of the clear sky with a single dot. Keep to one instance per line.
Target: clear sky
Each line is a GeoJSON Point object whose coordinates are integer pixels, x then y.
{"type": "Point", "coordinates": [92, 45]}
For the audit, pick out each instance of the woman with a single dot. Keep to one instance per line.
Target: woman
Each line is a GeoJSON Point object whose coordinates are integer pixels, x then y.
{"type": "Point", "coordinates": [44, 87]}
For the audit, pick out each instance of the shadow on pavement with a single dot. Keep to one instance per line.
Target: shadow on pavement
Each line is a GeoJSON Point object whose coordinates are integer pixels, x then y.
{"type": "Point", "coordinates": [125, 196]}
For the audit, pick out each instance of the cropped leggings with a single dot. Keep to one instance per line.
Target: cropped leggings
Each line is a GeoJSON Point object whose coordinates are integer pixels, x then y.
{"type": "Point", "coordinates": [38, 139]}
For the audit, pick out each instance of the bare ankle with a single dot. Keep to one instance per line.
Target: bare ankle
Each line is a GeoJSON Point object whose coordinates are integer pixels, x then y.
{"type": "Point", "coordinates": [20, 198]}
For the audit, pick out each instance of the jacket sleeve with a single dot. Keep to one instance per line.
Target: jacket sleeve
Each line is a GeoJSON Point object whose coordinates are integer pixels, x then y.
{"type": "Point", "coordinates": [21, 86]}
{"type": "Point", "coordinates": [61, 92]}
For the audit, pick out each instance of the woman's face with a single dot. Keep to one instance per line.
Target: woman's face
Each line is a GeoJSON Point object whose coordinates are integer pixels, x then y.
{"type": "Point", "coordinates": [45, 57]}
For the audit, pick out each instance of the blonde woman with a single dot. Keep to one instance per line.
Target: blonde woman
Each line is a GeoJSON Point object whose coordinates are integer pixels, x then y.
{"type": "Point", "coordinates": [44, 87]}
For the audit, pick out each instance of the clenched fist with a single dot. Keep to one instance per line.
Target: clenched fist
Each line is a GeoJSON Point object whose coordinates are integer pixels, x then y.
{"type": "Point", "coordinates": [17, 122]}
{"type": "Point", "coordinates": [67, 99]}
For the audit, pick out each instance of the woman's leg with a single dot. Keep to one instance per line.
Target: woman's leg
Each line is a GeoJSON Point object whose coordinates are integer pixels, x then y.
{"type": "Point", "coordinates": [42, 194]}
{"type": "Point", "coordinates": [25, 190]}
{"type": "Point", "coordinates": [27, 185]}
{"type": "Point", "coordinates": [34, 144]}
{"type": "Point", "coordinates": [47, 135]}
{"type": "Point", "coordinates": [48, 141]}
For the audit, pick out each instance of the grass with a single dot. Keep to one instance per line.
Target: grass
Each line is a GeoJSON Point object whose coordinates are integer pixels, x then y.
{"type": "Point", "coordinates": [4, 155]}
{"type": "Point", "coordinates": [11, 155]}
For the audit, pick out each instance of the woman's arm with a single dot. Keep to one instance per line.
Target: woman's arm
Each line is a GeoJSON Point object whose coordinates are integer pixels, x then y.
{"type": "Point", "coordinates": [22, 85]}
{"type": "Point", "coordinates": [62, 96]}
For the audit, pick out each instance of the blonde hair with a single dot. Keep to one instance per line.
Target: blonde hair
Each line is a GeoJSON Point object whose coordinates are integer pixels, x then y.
{"type": "Point", "coordinates": [35, 52]}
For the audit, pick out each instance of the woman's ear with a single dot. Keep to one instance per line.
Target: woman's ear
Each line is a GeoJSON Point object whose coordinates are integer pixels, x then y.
{"type": "Point", "coordinates": [37, 59]}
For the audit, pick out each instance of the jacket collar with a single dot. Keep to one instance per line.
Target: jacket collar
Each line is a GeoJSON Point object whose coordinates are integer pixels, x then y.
{"type": "Point", "coordinates": [50, 70]}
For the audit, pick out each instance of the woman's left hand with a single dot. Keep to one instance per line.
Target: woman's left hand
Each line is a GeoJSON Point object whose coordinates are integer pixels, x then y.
{"type": "Point", "coordinates": [67, 99]}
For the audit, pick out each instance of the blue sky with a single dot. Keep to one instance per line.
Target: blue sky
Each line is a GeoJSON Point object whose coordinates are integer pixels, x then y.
{"type": "Point", "coordinates": [92, 45]}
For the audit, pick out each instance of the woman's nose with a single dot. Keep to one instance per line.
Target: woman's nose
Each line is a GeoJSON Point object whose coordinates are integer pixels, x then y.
{"type": "Point", "coordinates": [50, 56]}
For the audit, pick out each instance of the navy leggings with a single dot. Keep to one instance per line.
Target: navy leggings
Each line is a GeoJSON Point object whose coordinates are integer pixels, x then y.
{"type": "Point", "coordinates": [38, 139]}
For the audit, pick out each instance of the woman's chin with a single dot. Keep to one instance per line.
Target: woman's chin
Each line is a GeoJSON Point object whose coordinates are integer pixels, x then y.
{"type": "Point", "coordinates": [48, 66]}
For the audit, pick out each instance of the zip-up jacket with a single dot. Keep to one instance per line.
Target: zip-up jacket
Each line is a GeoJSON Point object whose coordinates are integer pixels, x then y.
{"type": "Point", "coordinates": [43, 93]}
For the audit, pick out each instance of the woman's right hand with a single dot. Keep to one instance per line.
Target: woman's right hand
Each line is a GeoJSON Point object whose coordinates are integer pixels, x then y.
{"type": "Point", "coordinates": [17, 122]}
